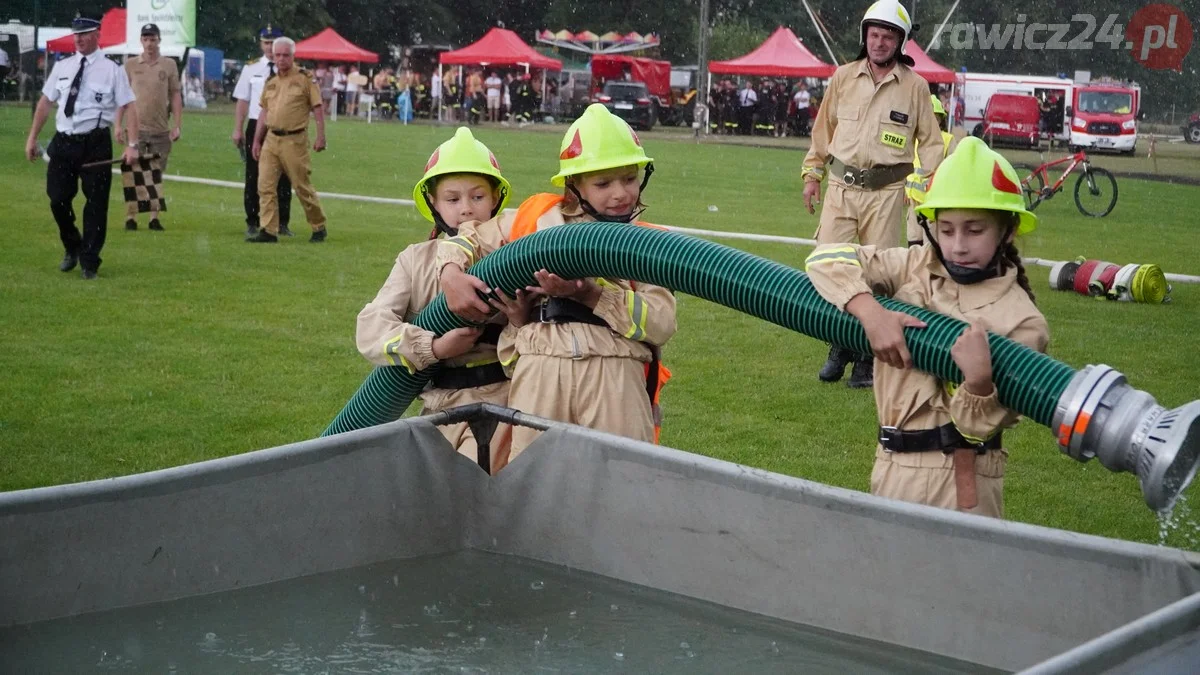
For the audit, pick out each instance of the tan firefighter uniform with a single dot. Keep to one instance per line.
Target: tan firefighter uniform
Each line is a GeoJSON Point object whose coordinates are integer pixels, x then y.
{"type": "Point", "coordinates": [387, 338]}
{"type": "Point", "coordinates": [863, 139]}
{"type": "Point", "coordinates": [585, 374]}
{"type": "Point", "coordinates": [155, 85]}
{"type": "Point", "coordinates": [911, 400]}
{"type": "Point", "coordinates": [287, 101]}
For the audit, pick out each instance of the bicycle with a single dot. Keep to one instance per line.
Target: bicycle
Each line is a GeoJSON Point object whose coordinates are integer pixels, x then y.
{"type": "Point", "coordinates": [1095, 189]}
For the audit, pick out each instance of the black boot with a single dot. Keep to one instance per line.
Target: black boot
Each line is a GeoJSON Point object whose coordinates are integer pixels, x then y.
{"type": "Point", "coordinates": [69, 261]}
{"type": "Point", "coordinates": [863, 375]}
{"type": "Point", "coordinates": [263, 237]}
{"type": "Point", "coordinates": [835, 365]}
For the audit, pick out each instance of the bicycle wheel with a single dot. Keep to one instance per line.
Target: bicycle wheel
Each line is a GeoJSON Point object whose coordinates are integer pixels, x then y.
{"type": "Point", "coordinates": [1096, 192]}
{"type": "Point", "coordinates": [1031, 185]}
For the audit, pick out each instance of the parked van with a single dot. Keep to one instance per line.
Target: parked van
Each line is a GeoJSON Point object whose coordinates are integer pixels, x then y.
{"type": "Point", "coordinates": [1011, 119]}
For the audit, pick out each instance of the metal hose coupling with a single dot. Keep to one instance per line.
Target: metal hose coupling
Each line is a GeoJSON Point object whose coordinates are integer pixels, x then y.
{"type": "Point", "coordinates": [1101, 415]}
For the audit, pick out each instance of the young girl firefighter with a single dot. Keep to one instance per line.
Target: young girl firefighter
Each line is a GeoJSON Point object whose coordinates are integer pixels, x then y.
{"type": "Point", "coordinates": [939, 444]}
{"type": "Point", "coordinates": [583, 351]}
{"type": "Point", "coordinates": [462, 182]}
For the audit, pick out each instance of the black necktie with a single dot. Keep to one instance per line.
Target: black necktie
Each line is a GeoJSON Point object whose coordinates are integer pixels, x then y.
{"type": "Point", "coordinates": [75, 84]}
{"type": "Point", "coordinates": [271, 66]}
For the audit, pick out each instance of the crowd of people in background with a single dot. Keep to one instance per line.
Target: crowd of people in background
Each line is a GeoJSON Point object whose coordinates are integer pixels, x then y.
{"type": "Point", "coordinates": [474, 96]}
{"type": "Point", "coordinates": [763, 108]}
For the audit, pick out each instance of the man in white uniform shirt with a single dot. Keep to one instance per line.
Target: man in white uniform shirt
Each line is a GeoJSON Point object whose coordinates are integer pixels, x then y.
{"type": "Point", "coordinates": [800, 102]}
{"type": "Point", "coordinates": [88, 89]}
{"type": "Point", "coordinates": [248, 93]}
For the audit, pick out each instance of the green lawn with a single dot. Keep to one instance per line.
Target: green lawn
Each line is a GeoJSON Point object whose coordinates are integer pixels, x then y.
{"type": "Point", "coordinates": [193, 345]}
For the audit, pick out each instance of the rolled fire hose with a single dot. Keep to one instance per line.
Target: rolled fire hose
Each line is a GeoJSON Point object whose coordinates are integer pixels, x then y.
{"type": "Point", "coordinates": [1096, 278]}
{"type": "Point", "coordinates": [1092, 412]}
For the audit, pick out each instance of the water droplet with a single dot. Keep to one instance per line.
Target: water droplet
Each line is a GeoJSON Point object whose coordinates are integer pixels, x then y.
{"type": "Point", "coordinates": [712, 208]}
{"type": "Point", "coordinates": [684, 645]}
{"type": "Point", "coordinates": [362, 590]}
{"type": "Point", "coordinates": [774, 647]}
{"type": "Point", "coordinates": [482, 640]}
{"type": "Point", "coordinates": [572, 614]}
{"type": "Point", "coordinates": [620, 656]}
{"type": "Point", "coordinates": [537, 585]}
{"type": "Point", "coordinates": [691, 654]}
{"type": "Point", "coordinates": [395, 579]}
{"type": "Point", "coordinates": [432, 610]}
{"type": "Point", "coordinates": [210, 636]}
{"type": "Point", "coordinates": [612, 608]}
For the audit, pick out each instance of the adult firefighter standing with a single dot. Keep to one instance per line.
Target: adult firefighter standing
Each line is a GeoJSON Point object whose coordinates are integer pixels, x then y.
{"type": "Point", "coordinates": [874, 110]}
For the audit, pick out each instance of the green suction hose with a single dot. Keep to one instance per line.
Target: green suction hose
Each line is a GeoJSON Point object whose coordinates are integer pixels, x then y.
{"type": "Point", "coordinates": [1028, 381]}
{"type": "Point", "coordinates": [1033, 384]}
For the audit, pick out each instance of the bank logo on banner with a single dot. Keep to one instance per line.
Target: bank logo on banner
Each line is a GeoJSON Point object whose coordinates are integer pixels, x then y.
{"type": "Point", "coordinates": [176, 19]}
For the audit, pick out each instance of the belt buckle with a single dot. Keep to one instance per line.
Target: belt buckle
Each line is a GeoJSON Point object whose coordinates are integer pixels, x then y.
{"type": "Point", "coordinates": [542, 318]}
{"type": "Point", "coordinates": [848, 178]}
{"type": "Point", "coordinates": [885, 434]}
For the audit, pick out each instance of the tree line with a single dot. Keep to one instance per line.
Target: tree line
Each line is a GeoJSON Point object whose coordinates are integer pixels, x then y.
{"type": "Point", "coordinates": [737, 26]}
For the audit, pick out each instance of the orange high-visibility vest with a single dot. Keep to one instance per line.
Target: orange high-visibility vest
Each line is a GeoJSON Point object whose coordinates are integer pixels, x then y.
{"type": "Point", "coordinates": [525, 222]}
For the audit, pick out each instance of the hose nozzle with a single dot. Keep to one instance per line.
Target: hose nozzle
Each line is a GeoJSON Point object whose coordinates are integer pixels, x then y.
{"type": "Point", "coordinates": [1101, 415]}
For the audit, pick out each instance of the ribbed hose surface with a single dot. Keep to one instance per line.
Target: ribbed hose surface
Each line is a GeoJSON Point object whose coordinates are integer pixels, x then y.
{"type": "Point", "coordinates": [1027, 381]}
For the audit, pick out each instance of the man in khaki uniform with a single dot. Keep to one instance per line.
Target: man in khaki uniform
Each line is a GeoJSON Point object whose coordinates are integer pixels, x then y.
{"type": "Point", "coordinates": [155, 82]}
{"type": "Point", "coordinates": [874, 110]}
{"type": "Point", "coordinates": [287, 99]}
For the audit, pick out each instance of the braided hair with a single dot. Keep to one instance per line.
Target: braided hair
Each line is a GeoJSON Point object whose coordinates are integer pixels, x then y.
{"type": "Point", "coordinates": [1012, 258]}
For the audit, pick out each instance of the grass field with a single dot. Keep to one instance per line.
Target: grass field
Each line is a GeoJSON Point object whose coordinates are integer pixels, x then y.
{"type": "Point", "coordinates": [193, 345]}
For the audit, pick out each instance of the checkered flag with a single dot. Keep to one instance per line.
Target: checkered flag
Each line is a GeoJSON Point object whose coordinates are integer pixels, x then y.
{"type": "Point", "coordinates": [143, 185]}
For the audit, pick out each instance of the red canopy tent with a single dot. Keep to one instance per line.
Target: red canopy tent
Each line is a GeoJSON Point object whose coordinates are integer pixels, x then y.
{"type": "Point", "coordinates": [781, 55]}
{"type": "Point", "coordinates": [112, 32]}
{"type": "Point", "coordinates": [656, 74]}
{"type": "Point", "coordinates": [329, 46]}
{"type": "Point", "coordinates": [926, 67]}
{"type": "Point", "coordinates": [500, 47]}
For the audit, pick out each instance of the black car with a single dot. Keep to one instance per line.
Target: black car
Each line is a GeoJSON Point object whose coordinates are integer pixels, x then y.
{"type": "Point", "coordinates": [630, 101]}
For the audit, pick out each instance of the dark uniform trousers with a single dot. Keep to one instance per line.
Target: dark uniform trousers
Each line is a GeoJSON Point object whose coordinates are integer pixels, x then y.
{"type": "Point", "coordinates": [68, 153]}
{"type": "Point", "coordinates": [250, 190]}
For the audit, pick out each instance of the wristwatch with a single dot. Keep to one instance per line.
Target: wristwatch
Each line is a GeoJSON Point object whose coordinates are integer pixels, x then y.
{"type": "Point", "coordinates": [133, 145]}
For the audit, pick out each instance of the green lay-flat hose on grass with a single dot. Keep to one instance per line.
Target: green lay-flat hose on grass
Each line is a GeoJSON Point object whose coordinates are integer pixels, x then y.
{"type": "Point", "coordinates": [1031, 383]}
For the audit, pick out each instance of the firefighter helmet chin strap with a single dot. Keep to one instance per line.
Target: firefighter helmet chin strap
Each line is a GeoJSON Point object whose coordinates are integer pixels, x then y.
{"type": "Point", "coordinates": [968, 275]}
{"type": "Point", "coordinates": [439, 223]}
{"type": "Point", "coordinates": [632, 216]}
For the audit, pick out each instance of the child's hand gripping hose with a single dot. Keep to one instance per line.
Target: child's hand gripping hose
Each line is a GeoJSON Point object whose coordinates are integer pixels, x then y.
{"type": "Point", "coordinates": [1093, 412]}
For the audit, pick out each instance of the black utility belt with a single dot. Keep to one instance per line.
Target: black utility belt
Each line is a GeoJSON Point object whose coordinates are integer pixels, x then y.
{"type": "Point", "coordinates": [562, 310]}
{"type": "Point", "coordinates": [86, 134]}
{"type": "Point", "coordinates": [945, 438]}
{"type": "Point", "coordinates": [293, 132]}
{"type": "Point", "coordinates": [872, 178]}
{"type": "Point", "coordinates": [468, 377]}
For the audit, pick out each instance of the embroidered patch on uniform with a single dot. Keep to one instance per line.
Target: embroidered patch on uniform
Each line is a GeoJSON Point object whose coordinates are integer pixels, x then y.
{"type": "Point", "coordinates": [898, 117]}
{"type": "Point", "coordinates": [99, 97]}
{"type": "Point", "coordinates": [894, 140]}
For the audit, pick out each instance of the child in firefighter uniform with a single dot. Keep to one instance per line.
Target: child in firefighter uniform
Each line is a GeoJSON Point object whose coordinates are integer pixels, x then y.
{"type": "Point", "coordinates": [941, 444]}
{"type": "Point", "coordinates": [914, 188]}
{"type": "Point", "coordinates": [584, 351]}
{"type": "Point", "coordinates": [462, 182]}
